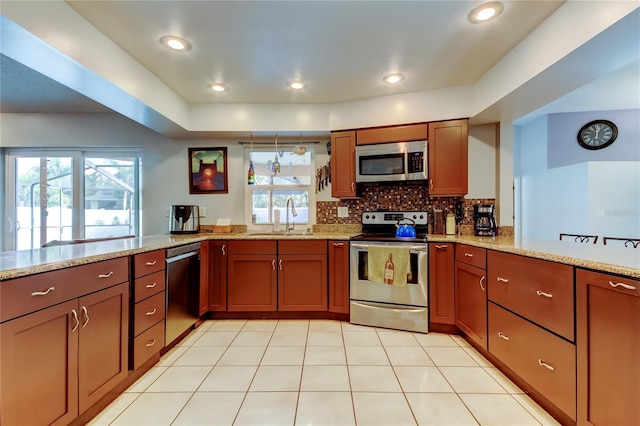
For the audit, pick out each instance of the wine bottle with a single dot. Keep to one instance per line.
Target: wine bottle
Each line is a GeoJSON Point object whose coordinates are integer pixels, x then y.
{"type": "Point", "coordinates": [388, 271]}
{"type": "Point", "coordinates": [251, 179]}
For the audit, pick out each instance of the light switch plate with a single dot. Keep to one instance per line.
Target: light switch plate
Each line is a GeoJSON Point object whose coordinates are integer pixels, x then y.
{"type": "Point", "coordinates": [166, 211]}
{"type": "Point", "coordinates": [203, 211]}
{"type": "Point", "coordinates": [343, 211]}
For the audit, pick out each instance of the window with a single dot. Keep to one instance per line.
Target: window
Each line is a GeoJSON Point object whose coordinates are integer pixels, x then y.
{"type": "Point", "coordinates": [279, 176]}
{"type": "Point", "coordinates": [66, 195]}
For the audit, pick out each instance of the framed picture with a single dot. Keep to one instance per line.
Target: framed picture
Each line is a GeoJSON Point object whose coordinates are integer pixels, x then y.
{"type": "Point", "coordinates": [208, 171]}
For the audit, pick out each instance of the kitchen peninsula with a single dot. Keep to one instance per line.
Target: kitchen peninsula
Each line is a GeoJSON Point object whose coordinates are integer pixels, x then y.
{"type": "Point", "coordinates": [602, 280]}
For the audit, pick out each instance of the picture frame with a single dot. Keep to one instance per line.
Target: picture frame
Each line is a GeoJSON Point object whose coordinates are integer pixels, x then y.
{"type": "Point", "coordinates": [208, 171]}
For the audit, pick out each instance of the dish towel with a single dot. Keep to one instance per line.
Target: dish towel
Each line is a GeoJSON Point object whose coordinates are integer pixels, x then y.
{"type": "Point", "coordinates": [388, 265]}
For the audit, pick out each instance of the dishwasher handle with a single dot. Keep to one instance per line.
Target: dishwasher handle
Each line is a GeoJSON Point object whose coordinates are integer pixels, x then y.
{"type": "Point", "coordinates": [182, 256]}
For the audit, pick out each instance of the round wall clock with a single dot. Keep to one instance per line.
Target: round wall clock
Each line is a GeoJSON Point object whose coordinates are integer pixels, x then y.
{"type": "Point", "coordinates": [597, 134]}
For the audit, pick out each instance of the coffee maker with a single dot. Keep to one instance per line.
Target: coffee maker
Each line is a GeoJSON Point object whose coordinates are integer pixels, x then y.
{"type": "Point", "coordinates": [484, 222]}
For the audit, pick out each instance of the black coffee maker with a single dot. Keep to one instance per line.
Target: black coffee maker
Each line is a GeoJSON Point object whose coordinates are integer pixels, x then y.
{"type": "Point", "coordinates": [484, 222]}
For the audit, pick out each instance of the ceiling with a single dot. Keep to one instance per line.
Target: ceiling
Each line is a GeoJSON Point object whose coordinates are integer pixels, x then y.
{"type": "Point", "coordinates": [340, 49]}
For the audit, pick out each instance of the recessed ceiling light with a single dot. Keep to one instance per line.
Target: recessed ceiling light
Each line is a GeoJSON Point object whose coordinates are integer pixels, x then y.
{"type": "Point", "coordinates": [218, 87]}
{"type": "Point", "coordinates": [297, 85]}
{"type": "Point", "coordinates": [175, 43]}
{"type": "Point", "coordinates": [393, 78]}
{"type": "Point", "coordinates": [485, 12]}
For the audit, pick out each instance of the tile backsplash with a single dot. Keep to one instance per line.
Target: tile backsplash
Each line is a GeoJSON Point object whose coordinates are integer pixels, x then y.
{"type": "Point", "coordinates": [398, 196]}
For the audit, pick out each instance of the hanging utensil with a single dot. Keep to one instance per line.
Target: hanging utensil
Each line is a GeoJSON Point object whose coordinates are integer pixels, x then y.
{"type": "Point", "coordinates": [299, 149]}
{"type": "Point", "coordinates": [276, 163]}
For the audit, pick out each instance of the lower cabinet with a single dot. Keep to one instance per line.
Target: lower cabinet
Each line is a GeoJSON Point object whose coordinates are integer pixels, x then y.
{"type": "Point", "coordinates": [59, 361]}
{"type": "Point", "coordinates": [542, 359]}
{"type": "Point", "coordinates": [442, 303]}
{"type": "Point", "coordinates": [252, 276]}
{"type": "Point", "coordinates": [339, 277]}
{"type": "Point", "coordinates": [608, 346]}
{"type": "Point", "coordinates": [471, 302]}
{"type": "Point", "coordinates": [302, 275]}
{"type": "Point", "coordinates": [213, 295]}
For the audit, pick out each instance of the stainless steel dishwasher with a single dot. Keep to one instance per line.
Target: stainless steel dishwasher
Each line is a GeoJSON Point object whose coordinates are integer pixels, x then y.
{"type": "Point", "coordinates": [183, 287]}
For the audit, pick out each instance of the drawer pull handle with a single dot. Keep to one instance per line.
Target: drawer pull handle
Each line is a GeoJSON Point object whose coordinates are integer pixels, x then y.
{"type": "Point", "coordinates": [503, 336]}
{"type": "Point", "coordinates": [338, 244]}
{"type": "Point", "coordinates": [151, 312]}
{"type": "Point", "coordinates": [482, 283]}
{"type": "Point", "coordinates": [86, 315]}
{"type": "Point", "coordinates": [441, 246]}
{"type": "Point", "coordinates": [75, 317]}
{"type": "Point", "coordinates": [151, 343]}
{"type": "Point", "coordinates": [105, 275]}
{"type": "Point", "coordinates": [502, 280]}
{"type": "Point", "coordinates": [623, 285]}
{"type": "Point", "coordinates": [353, 186]}
{"type": "Point", "coordinates": [468, 254]}
{"type": "Point", "coordinates": [151, 285]}
{"type": "Point", "coordinates": [151, 263]}
{"type": "Point", "coordinates": [43, 293]}
{"type": "Point", "coordinates": [273, 264]}
{"type": "Point", "coordinates": [430, 183]}
{"type": "Point", "coordinates": [280, 264]}
{"type": "Point", "coordinates": [223, 249]}
{"type": "Point", "coordinates": [542, 293]}
{"type": "Point", "coordinates": [545, 365]}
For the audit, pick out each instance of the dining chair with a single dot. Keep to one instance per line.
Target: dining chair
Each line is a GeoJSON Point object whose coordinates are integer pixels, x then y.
{"type": "Point", "coordinates": [628, 242]}
{"type": "Point", "coordinates": [580, 238]}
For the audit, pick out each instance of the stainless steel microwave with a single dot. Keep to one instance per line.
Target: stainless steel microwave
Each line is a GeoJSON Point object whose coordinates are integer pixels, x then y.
{"type": "Point", "coordinates": [395, 161]}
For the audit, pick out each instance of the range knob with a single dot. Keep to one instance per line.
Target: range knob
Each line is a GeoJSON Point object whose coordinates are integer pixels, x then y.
{"type": "Point", "coordinates": [366, 217]}
{"type": "Point", "coordinates": [415, 217]}
{"type": "Point", "coordinates": [421, 217]}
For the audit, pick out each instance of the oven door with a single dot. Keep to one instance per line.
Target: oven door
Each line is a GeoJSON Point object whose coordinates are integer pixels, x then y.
{"type": "Point", "coordinates": [414, 293]}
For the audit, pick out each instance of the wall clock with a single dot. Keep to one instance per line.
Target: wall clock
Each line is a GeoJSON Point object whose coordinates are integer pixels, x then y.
{"type": "Point", "coordinates": [597, 134]}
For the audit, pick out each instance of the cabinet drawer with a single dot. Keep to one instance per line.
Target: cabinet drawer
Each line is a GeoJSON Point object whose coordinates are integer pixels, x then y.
{"type": "Point", "coordinates": [149, 285]}
{"type": "Point", "coordinates": [412, 132]}
{"type": "Point", "coordinates": [253, 247]}
{"type": "Point", "coordinates": [302, 247]}
{"type": "Point", "coordinates": [148, 312]}
{"type": "Point", "coordinates": [611, 282]}
{"type": "Point", "coordinates": [474, 256]}
{"type": "Point", "coordinates": [543, 360]}
{"type": "Point", "coordinates": [539, 290]}
{"type": "Point", "coordinates": [148, 344]}
{"type": "Point", "coordinates": [147, 263]}
{"type": "Point", "coordinates": [21, 296]}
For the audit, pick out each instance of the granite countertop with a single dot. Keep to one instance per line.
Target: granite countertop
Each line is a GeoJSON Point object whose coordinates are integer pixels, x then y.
{"type": "Point", "coordinates": [611, 259]}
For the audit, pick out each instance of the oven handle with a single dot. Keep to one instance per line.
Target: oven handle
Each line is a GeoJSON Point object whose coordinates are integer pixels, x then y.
{"type": "Point", "coordinates": [397, 309]}
{"type": "Point", "coordinates": [420, 248]}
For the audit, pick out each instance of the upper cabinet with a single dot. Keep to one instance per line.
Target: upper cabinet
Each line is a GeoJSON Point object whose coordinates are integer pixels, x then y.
{"type": "Point", "coordinates": [448, 158]}
{"type": "Point", "coordinates": [411, 132]}
{"type": "Point", "coordinates": [343, 164]}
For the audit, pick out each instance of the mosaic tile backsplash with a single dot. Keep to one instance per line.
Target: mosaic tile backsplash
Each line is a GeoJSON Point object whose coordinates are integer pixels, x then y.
{"type": "Point", "coordinates": [399, 196]}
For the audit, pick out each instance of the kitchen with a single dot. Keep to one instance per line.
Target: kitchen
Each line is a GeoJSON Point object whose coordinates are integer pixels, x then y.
{"type": "Point", "coordinates": [163, 153]}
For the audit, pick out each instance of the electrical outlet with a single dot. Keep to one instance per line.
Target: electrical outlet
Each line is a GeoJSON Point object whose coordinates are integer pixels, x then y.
{"type": "Point", "coordinates": [203, 211]}
{"type": "Point", "coordinates": [343, 211]}
{"type": "Point", "coordinates": [166, 211]}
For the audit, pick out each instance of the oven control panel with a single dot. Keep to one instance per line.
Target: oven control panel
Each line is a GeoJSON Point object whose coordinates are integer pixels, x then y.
{"type": "Point", "coordinates": [391, 218]}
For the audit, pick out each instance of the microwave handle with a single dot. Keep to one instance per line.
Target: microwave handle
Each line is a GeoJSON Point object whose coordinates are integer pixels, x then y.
{"type": "Point", "coordinates": [406, 164]}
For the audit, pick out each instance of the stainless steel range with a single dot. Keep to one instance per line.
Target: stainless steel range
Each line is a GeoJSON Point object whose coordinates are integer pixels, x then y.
{"type": "Point", "coordinates": [389, 275]}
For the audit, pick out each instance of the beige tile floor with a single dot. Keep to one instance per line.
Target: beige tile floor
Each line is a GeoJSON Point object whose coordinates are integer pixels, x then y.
{"type": "Point", "coordinates": [318, 372]}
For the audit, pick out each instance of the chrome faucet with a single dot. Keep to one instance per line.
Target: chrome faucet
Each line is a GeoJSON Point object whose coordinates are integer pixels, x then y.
{"type": "Point", "coordinates": [293, 212]}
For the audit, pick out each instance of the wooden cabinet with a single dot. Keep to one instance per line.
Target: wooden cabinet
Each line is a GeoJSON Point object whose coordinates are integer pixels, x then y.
{"type": "Point", "coordinates": [448, 157]}
{"type": "Point", "coordinates": [60, 359]}
{"type": "Point", "coordinates": [302, 275]}
{"type": "Point", "coordinates": [608, 348]}
{"type": "Point", "coordinates": [470, 293]}
{"type": "Point", "coordinates": [148, 308]}
{"type": "Point", "coordinates": [406, 133]}
{"type": "Point", "coordinates": [539, 290]}
{"type": "Point", "coordinates": [343, 164]}
{"type": "Point", "coordinates": [213, 289]}
{"type": "Point", "coordinates": [542, 359]}
{"type": "Point", "coordinates": [252, 276]}
{"type": "Point", "coordinates": [339, 277]}
{"type": "Point", "coordinates": [441, 283]}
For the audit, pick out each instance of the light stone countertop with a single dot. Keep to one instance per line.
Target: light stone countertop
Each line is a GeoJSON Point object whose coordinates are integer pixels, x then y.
{"type": "Point", "coordinates": [611, 259]}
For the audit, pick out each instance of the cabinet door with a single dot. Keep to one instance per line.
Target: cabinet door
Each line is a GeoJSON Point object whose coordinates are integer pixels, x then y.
{"type": "Point", "coordinates": [103, 345]}
{"type": "Point", "coordinates": [442, 301]}
{"type": "Point", "coordinates": [39, 364]}
{"type": "Point", "coordinates": [448, 157]}
{"type": "Point", "coordinates": [339, 277]}
{"type": "Point", "coordinates": [302, 283]}
{"type": "Point", "coordinates": [471, 302]}
{"type": "Point", "coordinates": [214, 276]}
{"type": "Point", "coordinates": [608, 348]}
{"type": "Point", "coordinates": [343, 164]}
{"type": "Point", "coordinates": [252, 283]}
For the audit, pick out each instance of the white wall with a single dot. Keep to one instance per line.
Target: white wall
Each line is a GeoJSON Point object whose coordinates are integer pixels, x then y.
{"type": "Point", "coordinates": [482, 161]}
